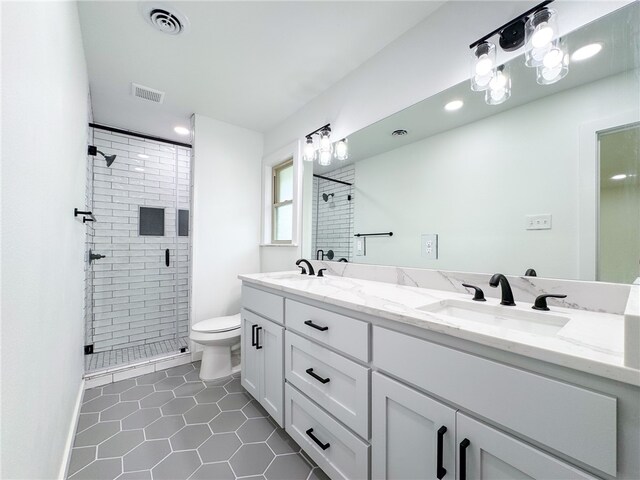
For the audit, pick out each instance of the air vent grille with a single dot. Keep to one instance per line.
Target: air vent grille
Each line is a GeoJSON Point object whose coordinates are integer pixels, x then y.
{"type": "Point", "coordinates": [147, 93]}
{"type": "Point", "coordinates": [165, 21]}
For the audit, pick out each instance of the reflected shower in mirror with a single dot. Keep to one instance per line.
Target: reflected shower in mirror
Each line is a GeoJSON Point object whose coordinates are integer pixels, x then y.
{"type": "Point", "coordinates": [533, 182]}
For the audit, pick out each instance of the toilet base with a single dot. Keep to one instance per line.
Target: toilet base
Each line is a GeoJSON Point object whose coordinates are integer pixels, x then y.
{"type": "Point", "coordinates": [216, 362]}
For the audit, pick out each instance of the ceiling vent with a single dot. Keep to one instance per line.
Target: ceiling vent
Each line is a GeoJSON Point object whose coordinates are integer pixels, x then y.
{"type": "Point", "coordinates": [165, 18]}
{"type": "Point", "coordinates": [146, 93]}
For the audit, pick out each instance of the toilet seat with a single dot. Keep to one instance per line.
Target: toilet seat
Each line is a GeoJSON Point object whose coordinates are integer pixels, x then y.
{"type": "Point", "coordinates": [218, 324]}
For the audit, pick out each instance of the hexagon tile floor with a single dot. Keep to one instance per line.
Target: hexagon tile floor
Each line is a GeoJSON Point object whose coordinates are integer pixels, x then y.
{"type": "Point", "coordinates": [170, 425]}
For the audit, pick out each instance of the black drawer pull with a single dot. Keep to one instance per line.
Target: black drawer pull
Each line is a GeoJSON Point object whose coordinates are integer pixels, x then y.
{"type": "Point", "coordinates": [317, 327]}
{"type": "Point", "coordinates": [316, 376]}
{"type": "Point", "coordinates": [258, 346]}
{"type": "Point", "coordinates": [253, 335]}
{"type": "Point", "coordinates": [440, 470]}
{"type": "Point", "coordinates": [323, 446]}
{"type": "Point", "coordinates": [463, 458]}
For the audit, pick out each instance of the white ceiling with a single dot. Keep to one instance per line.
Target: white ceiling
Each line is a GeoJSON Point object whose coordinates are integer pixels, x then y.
{"type": "Point", "coordinates": [251, 64]}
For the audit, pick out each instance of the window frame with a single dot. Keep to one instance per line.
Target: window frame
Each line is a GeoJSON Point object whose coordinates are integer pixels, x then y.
{"type": "Point", "coordinates": [275, 204]}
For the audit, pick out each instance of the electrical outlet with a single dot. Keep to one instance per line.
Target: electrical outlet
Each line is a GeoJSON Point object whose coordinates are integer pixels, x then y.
{"type": "Point", "coordinates": [361, 246]}
{"type": "Point", "coordinates": [538, 222]}
{"type": "Point", "coordinates": [429, 245]}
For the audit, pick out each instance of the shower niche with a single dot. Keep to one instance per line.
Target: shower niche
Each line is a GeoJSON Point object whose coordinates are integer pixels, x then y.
{"type": "Point", "coordinates": [137, 295]}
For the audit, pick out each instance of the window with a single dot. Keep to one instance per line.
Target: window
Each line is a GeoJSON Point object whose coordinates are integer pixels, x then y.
{"type": "Point", "coordinates": [282, 204]}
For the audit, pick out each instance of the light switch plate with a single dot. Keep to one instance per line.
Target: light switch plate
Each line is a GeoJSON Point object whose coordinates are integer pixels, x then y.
{"type": "Point", "coordinates": [429, 245]}
{"type": "Point", "coordinates": [361, 246]}
{"type": "Point", "coordinates": [538, 222]}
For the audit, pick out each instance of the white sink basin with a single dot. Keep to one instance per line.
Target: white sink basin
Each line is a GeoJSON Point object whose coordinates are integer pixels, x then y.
{"type": "Point", "coordinates": [510, 318]}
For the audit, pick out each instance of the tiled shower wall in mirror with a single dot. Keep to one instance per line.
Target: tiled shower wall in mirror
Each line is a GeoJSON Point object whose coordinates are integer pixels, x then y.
{"type": "Point", "coordinates": [332, 226]}
{"type": "Point", "coordinates": [139, 292]}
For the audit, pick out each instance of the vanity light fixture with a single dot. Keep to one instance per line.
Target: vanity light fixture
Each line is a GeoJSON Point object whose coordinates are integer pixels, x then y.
{"type": "Point", "coordinates": [181, 130]}
{"type": "Point", "coordinates": [454, 105]}
{"type": "Point", "coordinates": [537, 30]}
{"type": "Point", "coordinates": [325, 150]}
{"type": "Point", "coordinates": [586, 52]}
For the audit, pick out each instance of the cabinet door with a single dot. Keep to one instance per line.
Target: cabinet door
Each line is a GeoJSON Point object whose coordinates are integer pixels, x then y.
{"type": "Point", "coordinates": [270, 344]}
{"type": "Point", "coordinates": [407, 427]}
{"type": "Point", "coordinates": [250, 358]}
{"type": "Point", "coordinates": [490, 454]}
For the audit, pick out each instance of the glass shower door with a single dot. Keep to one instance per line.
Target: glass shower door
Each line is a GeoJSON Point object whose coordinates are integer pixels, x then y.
{"type": "Point", "coordinates": [138, 302]}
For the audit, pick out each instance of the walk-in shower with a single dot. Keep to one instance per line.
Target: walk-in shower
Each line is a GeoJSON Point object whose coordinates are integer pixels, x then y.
{"type": "Point", "coordinates": [138, 249]}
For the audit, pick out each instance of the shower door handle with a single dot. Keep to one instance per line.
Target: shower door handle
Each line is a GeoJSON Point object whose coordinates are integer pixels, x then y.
{"type": "Point", "coordinates": [166, 257]}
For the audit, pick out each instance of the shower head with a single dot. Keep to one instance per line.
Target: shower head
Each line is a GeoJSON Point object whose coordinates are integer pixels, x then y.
{"type": "Point", "coordinates": [109, 158]}
{"type": "Point", "coordinates": [326, 197]}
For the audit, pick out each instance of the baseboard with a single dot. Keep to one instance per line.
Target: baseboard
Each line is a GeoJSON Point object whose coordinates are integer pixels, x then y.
{"type": "Point", "coordinates": [66, 456]}
{"type": "Point", "coordinates": [196, 355]}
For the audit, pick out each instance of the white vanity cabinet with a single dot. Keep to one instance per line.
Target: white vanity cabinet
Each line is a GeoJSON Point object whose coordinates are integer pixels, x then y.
{"type": "Point", "coordinates": [415, 436]}
{"type": "Point", "coordinates": [263, 350]}
{"type": "Point", "coordinates": [412, 435]}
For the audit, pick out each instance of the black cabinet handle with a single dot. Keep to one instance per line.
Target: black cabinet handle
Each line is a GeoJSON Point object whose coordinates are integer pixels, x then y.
{"type": "Point", "coordinates": [463, 458]}
{"type": "Point", "coordinates": [323, 446]}
{"type": "Point", "coordinates": [316, 376]}
{"type": "Point", "coordinates": [317, 327]}
{"type": "Point", "coordinates": [440, 470]}
{"type": "Point", "coordinates": [258, 346]}
{"type": "Point", "coordinates": [166, 257]}
{"type": "Point", "coordinates": [253, 335]}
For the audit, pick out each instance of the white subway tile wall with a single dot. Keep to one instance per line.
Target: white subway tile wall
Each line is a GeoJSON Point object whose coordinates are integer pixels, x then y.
{"type": "Point", "coordinates": [136, 299]}
{"type": "Point", "coordinates": [332, 227]}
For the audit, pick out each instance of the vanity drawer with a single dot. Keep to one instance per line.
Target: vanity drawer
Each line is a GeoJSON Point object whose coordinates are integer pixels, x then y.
{"type": "Point", "coordinates": [332, 381]}
{"type": "Point", "coordinates": [338, 331]}
{"type": "Point", "coordinates": [572, 420]}
{"type": "Point", "coordinates": [344, 455]}
{"type": "Point", "coordinates": [265, 304]}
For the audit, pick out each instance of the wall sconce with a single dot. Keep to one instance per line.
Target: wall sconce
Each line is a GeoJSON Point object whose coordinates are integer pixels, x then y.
{"type": "Point", "coordinates": [537, 30]}
{"type": "Point", "coordinates": [325, 150]}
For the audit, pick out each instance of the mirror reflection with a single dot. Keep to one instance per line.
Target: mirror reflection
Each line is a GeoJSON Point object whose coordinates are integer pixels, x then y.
{"type": "Point", "coordinates": [547, 180]}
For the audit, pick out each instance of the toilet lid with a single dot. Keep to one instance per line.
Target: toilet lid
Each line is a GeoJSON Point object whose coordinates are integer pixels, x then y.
{"type": "Point", "coordinates": [218, 324]}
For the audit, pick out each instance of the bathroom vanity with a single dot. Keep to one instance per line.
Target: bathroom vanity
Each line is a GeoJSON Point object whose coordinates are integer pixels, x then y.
{"type": "Point", "coordinates": [381, 380]}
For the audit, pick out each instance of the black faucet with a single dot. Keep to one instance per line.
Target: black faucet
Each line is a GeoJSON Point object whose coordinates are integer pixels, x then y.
{"type": "Point", "coordinates": [530, 273]}
{"type": "Point", "coordinates": [309, 266]}
{"type": "Point", "coordinates": [507, 294]}
{"type": "Point", "coordinates": [541, 301]}
{"type": "Point", "coordinates": [320, 254]}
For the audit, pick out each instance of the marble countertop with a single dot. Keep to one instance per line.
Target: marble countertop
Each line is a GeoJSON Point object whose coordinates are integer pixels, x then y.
{"type": "Point", "coordinates": [587, 341]}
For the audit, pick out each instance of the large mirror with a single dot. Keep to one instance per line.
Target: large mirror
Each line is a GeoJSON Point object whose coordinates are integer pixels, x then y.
{"type": "Point", "coordinates": [546, 180]}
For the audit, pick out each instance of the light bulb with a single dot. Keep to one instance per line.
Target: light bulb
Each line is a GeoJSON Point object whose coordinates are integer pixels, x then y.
{"type": "Point", "coordinates": [483, 65]}
{"type": "Point", "coordinates": [555, 65]}
{"type": "Point", "coordinates": [342, 150]}
{"type": "Point", "coordinates": [309, 151]}
{"type": "Point", "coordinates": [542, 35]}
{"type": "Point", "coordinates": [499, 89]}
{"type": "Point", "coordinates": [325, 140]}
{"type": "Point", "coordinates": [498, 81]}
{"type": "Point", "coordinates": [483, 61]}
{"type": "Point", "coordinates": [552, 58]}
{"type": "Point", "coordinates": [325, 158]}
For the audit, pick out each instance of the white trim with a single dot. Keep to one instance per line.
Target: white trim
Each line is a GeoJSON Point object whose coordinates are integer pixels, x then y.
{"type": "Point", "coordinates": [588, 189]}
{"type": "Point", "coordinates": [290, 151]}
{"type": "Point", "coordinates": [68, 445]}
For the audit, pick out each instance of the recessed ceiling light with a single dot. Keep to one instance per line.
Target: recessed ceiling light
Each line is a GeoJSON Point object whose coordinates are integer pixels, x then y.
{"type": "Point", "coordinates": [182, 130]}
{"type": "Point", "coordinates": [454, 105]}
{"type": "Point", "coordinates": [587, 51]}
{"type": "Point", "coordinates": [620, 176]}
{"type": "Point", "coordinates": [142, 155]}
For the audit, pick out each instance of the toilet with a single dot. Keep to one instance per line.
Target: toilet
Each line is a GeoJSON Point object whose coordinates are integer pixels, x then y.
{"type": "Point", "coordinates": [217, 336]}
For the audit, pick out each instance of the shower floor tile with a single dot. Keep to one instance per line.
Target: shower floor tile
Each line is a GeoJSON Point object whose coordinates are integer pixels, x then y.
{"type": "Point", "coordinates": [137, 428]}
{"type": "Point", "coordinates": [123, 356]}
